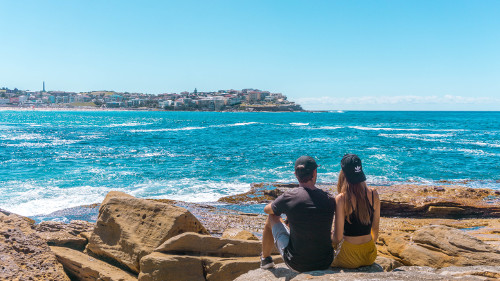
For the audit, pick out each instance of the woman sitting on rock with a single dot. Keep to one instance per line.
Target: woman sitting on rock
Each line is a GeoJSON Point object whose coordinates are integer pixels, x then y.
{"type": "Point", "coordinates": [357, 217]}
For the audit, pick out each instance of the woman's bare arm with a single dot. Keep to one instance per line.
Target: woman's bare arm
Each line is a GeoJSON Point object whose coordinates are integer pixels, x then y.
{"type": "Point", "coordinates": [376, 215]}
{"type": "Point", "coordinates": [338, 230]}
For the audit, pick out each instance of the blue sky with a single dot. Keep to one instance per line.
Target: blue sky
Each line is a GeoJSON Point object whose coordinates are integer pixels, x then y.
{"type": "Point", "coordinates": [346, 55]}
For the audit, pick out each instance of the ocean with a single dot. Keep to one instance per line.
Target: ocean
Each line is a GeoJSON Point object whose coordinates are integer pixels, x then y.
{"type": "Point", "coordinates": [50, 161]}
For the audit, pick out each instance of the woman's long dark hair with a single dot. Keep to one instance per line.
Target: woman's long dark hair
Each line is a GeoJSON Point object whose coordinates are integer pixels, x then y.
{"type": "Point", "coordinates": [355, 195]}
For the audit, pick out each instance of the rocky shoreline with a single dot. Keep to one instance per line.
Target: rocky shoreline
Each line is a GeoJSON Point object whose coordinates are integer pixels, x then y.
{"type": "Point", "coordinates": [426, 233]}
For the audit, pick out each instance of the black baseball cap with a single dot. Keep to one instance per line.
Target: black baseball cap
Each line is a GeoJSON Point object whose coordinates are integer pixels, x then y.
{"type": "Point", "coordinates": [306, 162]}
{"type": "Point", "coordinates": [352, 168]}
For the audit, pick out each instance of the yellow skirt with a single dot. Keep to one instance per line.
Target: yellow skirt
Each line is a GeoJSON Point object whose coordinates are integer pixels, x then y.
{"type": "Point", "coordinates": [349, 255]}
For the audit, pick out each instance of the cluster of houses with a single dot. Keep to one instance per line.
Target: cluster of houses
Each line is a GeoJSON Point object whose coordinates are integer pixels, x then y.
{"type": "Point", "coordinates": [222, 100]}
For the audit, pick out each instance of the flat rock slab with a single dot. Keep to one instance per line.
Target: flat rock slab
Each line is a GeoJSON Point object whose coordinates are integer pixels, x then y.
{"type": "Point", "coordinates": [190, 243]}
{"type": "Point", "coordinates": [163, 267]}
{"type": "Point", "coordinates": [84, 267]}
{"type": "Point", "coordinates": [441, 246]}
{"type": "Point", "coordinates": [23, 254]}
{"type": "Point", "coordinates": [372, 273]}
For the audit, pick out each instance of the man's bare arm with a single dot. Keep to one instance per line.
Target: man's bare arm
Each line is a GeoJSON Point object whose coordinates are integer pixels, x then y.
{"type": "Point", "coordinates": [268, 209]}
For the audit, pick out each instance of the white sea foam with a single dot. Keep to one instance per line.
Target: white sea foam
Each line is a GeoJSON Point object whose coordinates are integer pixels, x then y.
{"type": "Point", "coordinates": [328, 128]}
{"type": "Point", "coordinates": [483, 144]}
{"type": "Point", "coordinates": [168, 129]}
{"type": "Point", "coordinates": [32, 198]}
{"type": "Point", "coordinates": [381, 129]}
{"type": "Point", "coordinates": [23, 136]}
{"type": "Point", "coordinates": [403, 129]}
{"type": "Point", "coordinates": [421, 137]}
{"type": "Point", "coordinates": [299, 124]}
{"type": "Point", "coordinates": [37, 198]}
{"type": "Point", "coordinates": [234, 125]}
{"type": "Point", "coordinates": [465, 151]}
{"type": "Point", "coordinates": [188, 190]}
{"type": "Point", "coordinates": [6, 127]}
{"type": "Point", "coordinates": [128, 124]}
{"type": "Point", "coordinates": [91, 137]}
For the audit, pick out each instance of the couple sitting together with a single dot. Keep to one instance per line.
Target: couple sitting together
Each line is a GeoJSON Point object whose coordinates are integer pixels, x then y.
{"type": "Point", "coordinates": [307, 241]}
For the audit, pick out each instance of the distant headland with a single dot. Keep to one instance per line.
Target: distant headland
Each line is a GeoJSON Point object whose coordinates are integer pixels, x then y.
{"type": "Point", "coordinates": [247, 100]}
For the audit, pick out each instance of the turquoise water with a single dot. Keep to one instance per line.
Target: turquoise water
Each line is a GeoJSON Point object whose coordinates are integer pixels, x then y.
{"type": "Point", "coordinates": [55, 160]}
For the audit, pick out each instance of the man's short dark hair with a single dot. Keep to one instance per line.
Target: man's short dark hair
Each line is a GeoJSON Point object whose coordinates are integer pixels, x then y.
{"type": "Point", "coordinates": [304, 168]}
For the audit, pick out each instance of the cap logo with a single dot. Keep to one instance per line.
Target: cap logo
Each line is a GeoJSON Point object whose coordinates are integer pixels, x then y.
{"type": "Point", "coordinates": [357, 169]}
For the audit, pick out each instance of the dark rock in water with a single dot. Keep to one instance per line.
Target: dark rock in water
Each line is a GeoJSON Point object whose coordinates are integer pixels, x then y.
{"type": "Point", "coordinates": [86, 213]}
{"type": "Point", "coordinates": [439, 188]}
{"type": "Point", "coordinates": [23, 254]}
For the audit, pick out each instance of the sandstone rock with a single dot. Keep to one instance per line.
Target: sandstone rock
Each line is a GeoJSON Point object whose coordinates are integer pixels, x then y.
{"type": "Point", "coordinates": [23, 254]}
{"type": "Point", "coordinates": [164, 267]}
{"type": "Point", "coordinates": [193, 243]}
{"type": "Point", "coordinates": [83, 267]}
{"type": "Point", "coordinates": [441, 246]}
{"type": "Point", "coordinates": [372, 273]}
{"type": "Point", "coordinates": [443, 211]}
{"type": "Point", "coordinates": [402, 200]}
{"type": "Point", "coordinates": [387, 264]}
{"type": "Point", "coordinates": [468, 271]}
{"type": "Point", "coordinates": [234, 233]}
{"type": "Point", "coordinates": [63, 234]}
{"type": "Point", "coordinates": [202, 257]}
{"type": "Point", "coordinates": [229, 268]}
{"type": "Point", "coordinates": [129, 228]}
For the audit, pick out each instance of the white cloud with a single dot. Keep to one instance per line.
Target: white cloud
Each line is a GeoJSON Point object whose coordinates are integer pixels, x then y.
{"type": "Point", "coordinates": [387, 101]}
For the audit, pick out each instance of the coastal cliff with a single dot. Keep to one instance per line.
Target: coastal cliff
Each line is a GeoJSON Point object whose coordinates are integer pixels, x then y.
{"type": "Point", "coordinates": [141, 239]}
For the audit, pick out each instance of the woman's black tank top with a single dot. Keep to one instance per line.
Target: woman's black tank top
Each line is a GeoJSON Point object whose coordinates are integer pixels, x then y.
{"type": "Point", "coordinates": [356, 228]}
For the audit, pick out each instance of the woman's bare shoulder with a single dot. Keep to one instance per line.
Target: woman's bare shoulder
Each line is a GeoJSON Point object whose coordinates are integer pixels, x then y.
{"type": "Point", "coordinates": [339, 198]}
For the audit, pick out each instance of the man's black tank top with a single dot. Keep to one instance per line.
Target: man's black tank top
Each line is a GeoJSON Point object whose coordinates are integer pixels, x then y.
{"type": "Point", "coordinates": [356, 228]}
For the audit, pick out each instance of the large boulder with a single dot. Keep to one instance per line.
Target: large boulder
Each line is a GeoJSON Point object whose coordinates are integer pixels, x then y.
{"type": "Point", "coordinates": [202, 257]}
{"type": "Point", "coordinates": [441, 246]}
{"type": "Point", "coordinates": [23, 254]}
{"type": "Point", "coordinates": [129, 228]}
{"type": "Point", "coordinates": [83, 267]}
{"type": "Point", "coordinates": [373, 273]}
{"type": "Point", "coordinates": [71, 235]}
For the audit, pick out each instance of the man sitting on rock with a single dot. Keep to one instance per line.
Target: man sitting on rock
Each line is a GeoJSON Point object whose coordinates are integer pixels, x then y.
{"type": "Point", "coordinates": [306, 244]}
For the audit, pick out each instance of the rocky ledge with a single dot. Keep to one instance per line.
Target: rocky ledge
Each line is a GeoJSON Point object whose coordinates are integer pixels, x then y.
{"type": "Point", "coordinates": [139, 239]}
{"type": "Point", "coordinates": [409, 200]}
